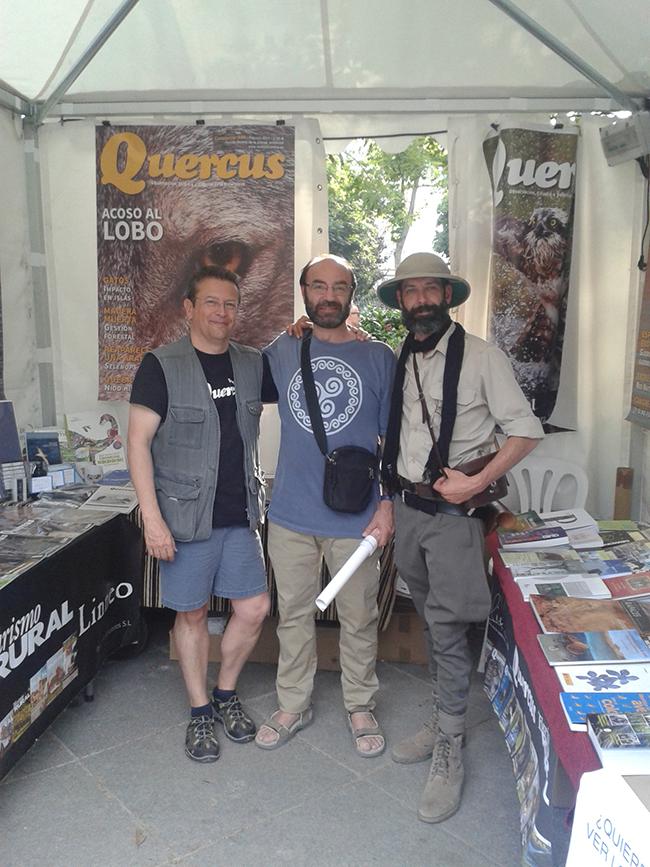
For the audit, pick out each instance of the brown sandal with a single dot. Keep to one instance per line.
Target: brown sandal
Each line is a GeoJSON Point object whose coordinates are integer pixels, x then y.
{"type": "Point", "coordinates": [285, 733]}
{"type": "Point", "coordinates": [367, 731]}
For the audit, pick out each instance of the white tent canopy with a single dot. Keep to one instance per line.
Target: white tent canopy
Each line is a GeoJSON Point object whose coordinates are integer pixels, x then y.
{"type": "Point", "coordinates": [334, 69]}
{"type": "Point", "coordinates": [315, 56]}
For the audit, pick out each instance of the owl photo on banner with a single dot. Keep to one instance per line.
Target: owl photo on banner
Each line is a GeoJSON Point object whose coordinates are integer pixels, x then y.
{"type": "Point", "coordinates": [537, 248]}
{"type": "Point", "coordinates": [533, 180]}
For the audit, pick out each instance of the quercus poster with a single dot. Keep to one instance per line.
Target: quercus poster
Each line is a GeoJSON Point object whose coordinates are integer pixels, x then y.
{"type": "Point", "coordinates": [171, 199]}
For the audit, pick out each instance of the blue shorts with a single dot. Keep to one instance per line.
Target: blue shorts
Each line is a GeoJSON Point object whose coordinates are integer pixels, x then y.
{"type": "Point", "coordinates": [229, 564]}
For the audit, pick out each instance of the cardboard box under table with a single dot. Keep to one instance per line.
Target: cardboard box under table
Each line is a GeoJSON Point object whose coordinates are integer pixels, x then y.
{"type": "Point", "coordinates": [401, 641]}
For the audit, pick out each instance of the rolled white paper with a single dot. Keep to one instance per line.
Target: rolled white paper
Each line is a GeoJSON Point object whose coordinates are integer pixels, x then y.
{"type": "Point", "coordinates": [365, 549]}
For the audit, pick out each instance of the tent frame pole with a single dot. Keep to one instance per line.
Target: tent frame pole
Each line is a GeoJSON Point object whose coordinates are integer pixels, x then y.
{"type": "Point", "coordinates": [15, 102]}
{"type": "Point", "coordinates": [62, 88]}
{"type": "Point", "coordinates": [40, 287]}
{"type": "Point", "coordinates": [573, 59]}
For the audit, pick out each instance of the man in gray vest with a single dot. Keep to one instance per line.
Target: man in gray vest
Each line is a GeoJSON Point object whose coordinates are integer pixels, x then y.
{"type": "Point", "coordinates": [456, 388]}
{"type": "Point", "coordinates": [193, 457]}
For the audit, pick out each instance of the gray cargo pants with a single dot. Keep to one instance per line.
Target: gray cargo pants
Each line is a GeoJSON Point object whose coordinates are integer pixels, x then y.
{"type": "Point", "coordinates": [441, 559]}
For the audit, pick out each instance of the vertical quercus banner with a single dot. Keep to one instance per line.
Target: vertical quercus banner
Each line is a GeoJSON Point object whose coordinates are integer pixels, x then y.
{"type": "Point", "coordinates": [2, 352]}
{"type": "Point", "coordinates": [533, 182]}
{"type": "Point", "coordinates": [640, 409]}
{"type": "Point", "coordinates": [173, 199]}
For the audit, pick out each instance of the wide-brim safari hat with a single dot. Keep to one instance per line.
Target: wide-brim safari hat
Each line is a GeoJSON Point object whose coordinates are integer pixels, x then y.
{"type": "Point", "coordinates": [423, 265]}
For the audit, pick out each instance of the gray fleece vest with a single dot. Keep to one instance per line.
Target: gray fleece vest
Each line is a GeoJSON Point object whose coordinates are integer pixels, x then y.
{"type": "Point", "coordinates": [185, 449]}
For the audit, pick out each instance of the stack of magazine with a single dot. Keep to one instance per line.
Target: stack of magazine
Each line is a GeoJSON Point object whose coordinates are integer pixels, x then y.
{"type": "Point", "coordinates": [601, 650]}
{"type": "Point", "coordinates": [588, 583]}
{"type": "Point", "coordinates": [31, 531]}
{"type": "Point", "coordinates": [622, 740]}
{"type": "Point", "coordinates": [548, 554]}
{"type": "Point", "coordinates": [112, 498]}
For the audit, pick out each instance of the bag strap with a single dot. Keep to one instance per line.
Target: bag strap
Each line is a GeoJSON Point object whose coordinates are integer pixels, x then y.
{"type": "Point", "coordinates": [453, 365]}
{"type": "Point", "coordinates": [313, 406]}
{"type": "Point", "coordinates": [426, 418]}
{"type": "Point", "coordinates": [439, 454]}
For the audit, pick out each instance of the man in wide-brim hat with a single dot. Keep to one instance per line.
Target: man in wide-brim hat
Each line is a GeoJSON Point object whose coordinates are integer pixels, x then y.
{"type": "Point", "coordinates": [452, 391]}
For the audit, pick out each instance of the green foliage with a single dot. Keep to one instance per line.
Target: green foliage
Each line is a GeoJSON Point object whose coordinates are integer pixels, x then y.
{"type": "Point", "coordinates": [384, 323]}
{"type": "Point", "coordinates": [372, 195]}
{"type": "Point", "coordinates": [391, 180]}
{"type": "Point", "coordinates": [353, 233]}
{"type": "Point", "coordinates": [441, 240]}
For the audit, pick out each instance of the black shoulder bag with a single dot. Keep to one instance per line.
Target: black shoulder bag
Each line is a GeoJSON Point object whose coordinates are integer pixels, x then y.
{"type": "Point", "coordinates": [350, 471]}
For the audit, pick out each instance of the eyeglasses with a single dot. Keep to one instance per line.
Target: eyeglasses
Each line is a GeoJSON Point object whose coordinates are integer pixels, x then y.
{"type": "Point", "coordinates": [318, 287]}
{"type": "Point", "coordinates": [216, 303]}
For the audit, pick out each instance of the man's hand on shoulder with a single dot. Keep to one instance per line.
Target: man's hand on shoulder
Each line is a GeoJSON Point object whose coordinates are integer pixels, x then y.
{"type": "Point", "coordinates": [298, 328]}
{"type": "Point", "coordinates": [158, 539]}
{"type": "Point", "coordinates": [359, 333]}
{"type": "Point", "coordinates": [382, 525]}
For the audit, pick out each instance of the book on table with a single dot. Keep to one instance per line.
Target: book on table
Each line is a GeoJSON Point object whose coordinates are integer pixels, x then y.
{"type": "Point", "coordinates": [571, 614]}
{"type": "Point", "coordinates": [565, 569]}
{"type": "Point", "coordinates": [94, 435]}
{"type": "Point", "coordinates": [635, 554]}
{"type": "Point", "coordinates": [621, 740]}
{"type": "Point", "coordinates": [584, 538]}
{"type": "Point", "coordinates": [629, 586]}
{"type": "Point", "coordinates": [606, 568]}
{"type": "Point", "coordinates": [559, 564]}
{"type": "Point", "coordinates": [27, 548]}
{"type": "Point", "coordinates": [581, 648]}
{"type": "Point", "coordinates": [552, 557]}
{"type": "Point", "coordinates": [605, 677]}
{"type": "Point", "coordinates": [576, 705]}
{"type": "Point", "coordinates": [510, 523]}
{"type": "Point", "coordinates": [624, 524]}
{"type": "Point", "coordinates": [582, 586]}
{"type": "Point", "coordinates": [538, 537]}
{"type": "Point", "coordinates": [114, 498]}
{"type": "Point", "coordinates": [622, 537]}
{"type": "Point", "coordinates": [570, 519]}
{"type": "Point", "coordinates": [44, 445]}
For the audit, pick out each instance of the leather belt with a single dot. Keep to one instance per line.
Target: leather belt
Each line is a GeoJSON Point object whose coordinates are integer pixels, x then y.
{"type": "Point", "coordinates": [412, 492]}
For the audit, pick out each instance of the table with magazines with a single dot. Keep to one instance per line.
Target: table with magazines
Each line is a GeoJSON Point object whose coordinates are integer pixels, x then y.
{"type": "Point", "coordinates": [70, 591]}
{"type": "Point", "coordinates": [548, 758]}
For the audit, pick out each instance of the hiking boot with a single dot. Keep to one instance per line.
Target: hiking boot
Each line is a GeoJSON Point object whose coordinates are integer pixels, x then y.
{"type": "Point", "coordinates": [442, 793]}
{"type": "Point", "coordinates": [419, 746]}
{"type": "Point", "coordinates": [238, 726]}
{"type": "Point", "coordinates": [201, 742]}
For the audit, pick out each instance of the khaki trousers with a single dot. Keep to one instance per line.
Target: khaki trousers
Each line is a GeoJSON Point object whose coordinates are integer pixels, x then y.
{"type": "Point", "coordinates": [296, 563]}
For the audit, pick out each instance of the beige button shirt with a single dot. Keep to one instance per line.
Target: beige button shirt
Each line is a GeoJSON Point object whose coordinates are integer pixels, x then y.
{"type": "Point", "coordinates": [488, 395]}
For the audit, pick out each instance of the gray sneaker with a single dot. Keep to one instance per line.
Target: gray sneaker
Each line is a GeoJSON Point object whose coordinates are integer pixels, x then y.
{"type": "Point", "coordinates": [442, 793]}
{"type": "Point", "coordinates": [201, 742]}
{"type": "Point", "coordinates": [237, 725]}
{"type": "Point", "coordinates": [418, 747]}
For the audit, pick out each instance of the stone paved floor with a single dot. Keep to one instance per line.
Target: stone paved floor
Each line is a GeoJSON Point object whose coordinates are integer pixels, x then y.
{"type": "Point", "coordinates": [109, 784]}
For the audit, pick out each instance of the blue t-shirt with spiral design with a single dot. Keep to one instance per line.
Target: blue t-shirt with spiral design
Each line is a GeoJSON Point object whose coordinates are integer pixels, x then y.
{"type": "Point", "coordinates": [353, 383]}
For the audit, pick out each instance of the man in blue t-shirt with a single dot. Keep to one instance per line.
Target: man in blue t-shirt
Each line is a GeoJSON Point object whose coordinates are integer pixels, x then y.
{"type": "Point", "coordinates": [353, 381]}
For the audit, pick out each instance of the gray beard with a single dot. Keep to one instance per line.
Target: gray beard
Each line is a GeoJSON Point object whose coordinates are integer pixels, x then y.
{"type": "Point", "coordinates": [434, 322]}
{"type": "Point", "coordinates": [336, 317]}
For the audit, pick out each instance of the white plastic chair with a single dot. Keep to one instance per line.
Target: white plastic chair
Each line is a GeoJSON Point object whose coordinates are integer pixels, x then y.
{"type": "Point", "coordinates": [537, 481]}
